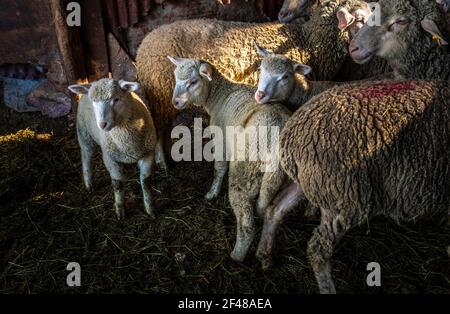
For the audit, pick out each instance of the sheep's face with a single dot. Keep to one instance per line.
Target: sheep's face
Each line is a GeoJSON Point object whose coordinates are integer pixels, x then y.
{"type": "Point", "coordinates": [352, 20]}
{"type": "Point", "coordinates": [400, 29]}
{"type": "Point", "coordinates": [277, 77]}
{"type": "Point", "coordinates": [107, 97]}
{"type": "Point", "coordinates": [445, 4]}
{"type": "Point", "coordinates": [293, 9]}
{"type": "Point", "coordinates": [192, 85]}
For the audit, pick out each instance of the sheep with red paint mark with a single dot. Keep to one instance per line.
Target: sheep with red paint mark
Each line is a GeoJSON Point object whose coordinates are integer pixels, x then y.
{"type": "Point", "coordinates": [361, 150]}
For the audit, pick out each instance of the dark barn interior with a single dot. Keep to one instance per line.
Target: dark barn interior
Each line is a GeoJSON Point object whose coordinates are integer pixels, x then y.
{"type": "Point", "coordinates": [47, 219]}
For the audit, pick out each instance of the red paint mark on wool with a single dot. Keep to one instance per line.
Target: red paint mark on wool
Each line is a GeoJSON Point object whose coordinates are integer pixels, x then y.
{"type": "Point", "coordinates": [385, 89]}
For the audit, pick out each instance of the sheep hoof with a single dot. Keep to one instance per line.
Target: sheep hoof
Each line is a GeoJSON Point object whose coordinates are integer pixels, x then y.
{"type": "Point", "coordinates": [312, 213]}
{"type": "Point", "coordinates": [120, 212]}
{"type": "Point", "coordinates": [150, 213]}
{"type": "Point", "coordinates": [88, 187]}
{"type": "Point", "coordinates": [210, 195]}
{"type": "Point", "coordinates": [162, 165]}
{"type": "Point", "coordinates": [266, 263]}
{"type": "Point", "coordinates": [237, 257]}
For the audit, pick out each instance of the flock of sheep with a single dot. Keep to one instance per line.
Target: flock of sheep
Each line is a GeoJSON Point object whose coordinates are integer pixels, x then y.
{"type": "Point", "coordinates": [378, 145]}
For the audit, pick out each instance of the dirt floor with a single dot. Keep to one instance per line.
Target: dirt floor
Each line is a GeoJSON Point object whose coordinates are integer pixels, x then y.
{"type": "Point", "coordinates": [48, 220]}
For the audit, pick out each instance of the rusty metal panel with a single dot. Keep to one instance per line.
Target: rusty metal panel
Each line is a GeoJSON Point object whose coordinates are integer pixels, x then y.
{"type": "Point", "coordinates": [144, 7]}
{"type": "Point", "coordinates": [133, 12]}
{"type": "Point", "coordinates": [122, 12]}
{"type": "Point", "coordinates": [127, 13]}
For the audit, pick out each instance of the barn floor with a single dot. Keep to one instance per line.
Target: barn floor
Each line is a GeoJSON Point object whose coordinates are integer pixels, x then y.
{"type": "Point", "coordinates": [47, 220]}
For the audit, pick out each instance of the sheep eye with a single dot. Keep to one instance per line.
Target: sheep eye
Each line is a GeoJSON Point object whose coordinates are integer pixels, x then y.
{"type": "Point", "coordinates": [285, 77]}
{"type": "Point", "coordinates": [193, 82]}
{"type": "Point", "coordinates": [401, 21]}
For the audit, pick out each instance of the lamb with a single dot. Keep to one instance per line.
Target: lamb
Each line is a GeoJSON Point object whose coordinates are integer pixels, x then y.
{"type": "Point", "coordinates": [408, 38]}
{"type": "Point", "coordinates": [113, 117]}
{"type": "Point", "coordinates": [364, 149]}
{"type": "Point", "coordinates": [278, 81]}
{"type": "Point", "coordinates": [231, 104]}
{"type": "Point", "coordinates": [293, 9]}
{"type": "Point", "coordinates": [230, 46]}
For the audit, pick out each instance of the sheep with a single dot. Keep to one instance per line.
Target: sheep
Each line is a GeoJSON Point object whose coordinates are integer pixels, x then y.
{"type": "Point", "coordinates": [231, 104]}
{"type": "Point", "coordinates": [113, 117]}
{"type": "Point", "coordinates": [230, 46]}
{"type": "Point", "coordinates": [365, 149]}
{"type": "Point", "coordinates": [352, 22]}
{"type": "Point", "coordinates": [278, 81]}
{"type": "Point", "coordinates": [445, 4]}
{"type": "Point", "coordinates": [293, 9]}
{"type": "Point", "coordinates": [408, 38]}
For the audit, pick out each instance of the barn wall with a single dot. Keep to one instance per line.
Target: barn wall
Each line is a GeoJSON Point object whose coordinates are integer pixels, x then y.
{"type": "Point", "coordinates": [131, 20]}
{"type": "Point", "coordinates": [28, 36]}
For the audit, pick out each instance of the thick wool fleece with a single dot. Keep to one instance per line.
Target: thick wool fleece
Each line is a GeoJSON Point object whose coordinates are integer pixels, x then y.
{"type": "Point", "coordinates": [373, 148]}
{"type": "Point", "coordinates": [230, 46]}
{"type": "Point", "coordinates": [376, 148]}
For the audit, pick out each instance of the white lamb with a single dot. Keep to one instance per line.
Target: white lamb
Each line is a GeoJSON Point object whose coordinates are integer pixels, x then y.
{"type": "Point", "coordinates": [112, 116]}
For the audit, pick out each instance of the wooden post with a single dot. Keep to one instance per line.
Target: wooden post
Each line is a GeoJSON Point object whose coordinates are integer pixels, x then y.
{"type": "Point", "coordinates": [69, 43]}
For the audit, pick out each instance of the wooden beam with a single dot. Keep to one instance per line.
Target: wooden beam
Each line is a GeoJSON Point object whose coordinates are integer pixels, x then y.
{"type": "Point", "coordinates": [69, 43]}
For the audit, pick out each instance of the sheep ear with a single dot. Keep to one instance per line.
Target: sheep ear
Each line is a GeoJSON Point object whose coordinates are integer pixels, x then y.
{"type": "Point", "coordinates": [431, 27]}
{"type": "Point", "coordinates": [262, 51]}
{"type": "Point", "coordinates": [345, 19]}
{"type": "Point", "coordinates": [177, 60]}
{"type": "Point", "coordinates": [81, 89]}
{"type": "Point", "coordinates": [206, 71]}
{"type": "Point", "coordinates": [129, 86]}
{"type": "Point", "coordinates": [302, 68]}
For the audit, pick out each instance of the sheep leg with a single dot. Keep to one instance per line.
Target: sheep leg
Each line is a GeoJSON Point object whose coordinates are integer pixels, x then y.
{"type": "Point", "coordinates": [118, 182]}
{"type": "Point", "coordinates": [145, 169]}
{"type": "Point", "coordinates": [87, 147]}
{"type": "Point", "coordinates": [286, 200]}
{"type": "Point", "coordinates": [243, 210]}
{"type": "Point", "coordinates": [320, 249]}
{"type": "Point", "coordinates": [159, 155]}
{"type": "Point", "coordinates": [220, 169]}
{"type": "Point", "coordinates": [270, 185]}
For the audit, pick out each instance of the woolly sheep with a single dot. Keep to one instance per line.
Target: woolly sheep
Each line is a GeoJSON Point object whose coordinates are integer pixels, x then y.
{"type": "Point", "coordinates": [232, 104]}
{"type": "Point", "coordinates": [445, 4]}
{"type": "Point", "coordinates": [408, 38]}
{"type": "Point", "coordinates": [365, 149]}
{"type": "Point", "coordinates": [282, 79]}
{"type": "Point", "coordinates": [349, 18]}
{"type": "Point", "coordinates": [293, 9]}
{"type": "Point", "coordinates": [230, 47]}
{"type": "Point", "coordinates": [351, 22]}
{"type": "Point", "coordinates": [111, 116]}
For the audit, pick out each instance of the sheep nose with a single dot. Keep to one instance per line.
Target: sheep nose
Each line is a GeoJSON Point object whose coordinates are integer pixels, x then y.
{"type": "Point", "coordinates": [353, 46]}
{"type": "Point", "coordinates": [102, 125]}
{"type": "Point", "coordinates": [178, 103]}
{"type": "Point", "coordinates": [283, 13]}
{"type": "Point", "coordinates": [259, 95]}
